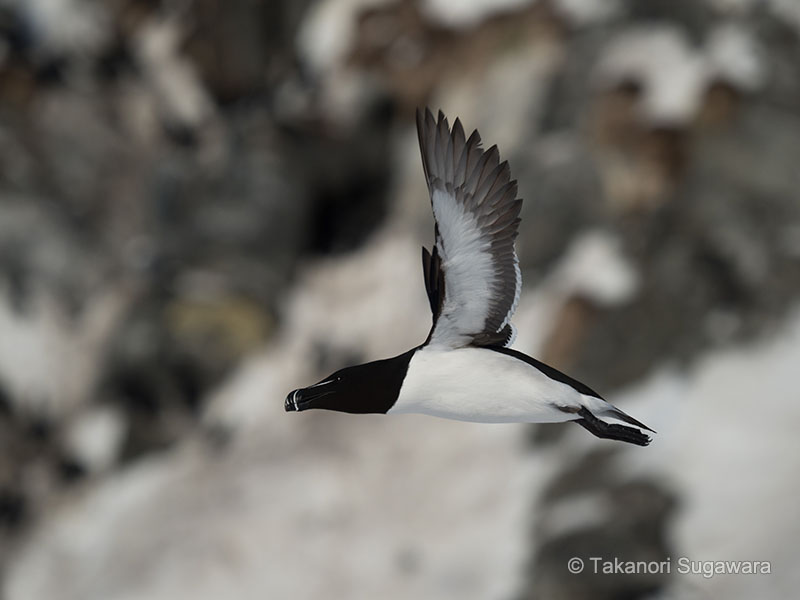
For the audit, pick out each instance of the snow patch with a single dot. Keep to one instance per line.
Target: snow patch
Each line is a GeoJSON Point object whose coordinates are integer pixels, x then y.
{"type": "Point", "coordinates": [674, 74]}
{"type": "Point", "coordinates": [467, 13]}
{"type": "Point", "coordinates": [595, 267]}
{"type": "Point", "coordinates": [728, 444]}
{"type": "Point", "coordinates": [96, 437]}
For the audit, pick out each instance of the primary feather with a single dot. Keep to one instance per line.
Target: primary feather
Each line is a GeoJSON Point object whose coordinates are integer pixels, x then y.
{"type": "Point", "coordinates": [472, 277]}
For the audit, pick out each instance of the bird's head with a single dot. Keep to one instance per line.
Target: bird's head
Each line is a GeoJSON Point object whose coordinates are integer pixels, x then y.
{"type": "Point", "coordinates": [368, 388]}
{"type": "Point", "coordinates": [323, 394]}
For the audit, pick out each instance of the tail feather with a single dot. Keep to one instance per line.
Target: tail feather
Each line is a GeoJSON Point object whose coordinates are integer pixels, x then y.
{"type": "Point", "coordinates": [617, 413]}
{"type": "Point", "coordinates": [610, 431]}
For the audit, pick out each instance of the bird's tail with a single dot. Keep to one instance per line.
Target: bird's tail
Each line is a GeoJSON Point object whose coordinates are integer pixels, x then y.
{"type": "Point", "coordinates": [589, 420]}
{"type": "Point", "coordinates": [614, 412]}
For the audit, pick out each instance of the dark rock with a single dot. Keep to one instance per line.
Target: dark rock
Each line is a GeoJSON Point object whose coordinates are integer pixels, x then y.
{"type": "Point", "coordinates": [13, 508]}
{"type": "Point", "coordinates": [631, 525]}
{"type": "Point", "coordinates": [71, 470]}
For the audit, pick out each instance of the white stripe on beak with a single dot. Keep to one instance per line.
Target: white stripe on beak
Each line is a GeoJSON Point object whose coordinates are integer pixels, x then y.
{"type": "Point", "coordinates": [321, 383]}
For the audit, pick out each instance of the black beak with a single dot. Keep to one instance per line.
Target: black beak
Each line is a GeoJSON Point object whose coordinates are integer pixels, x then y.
{"type": "Point", "coordinates": [304, 398]}
{"type": "Point", "coordinates": [292, 402]}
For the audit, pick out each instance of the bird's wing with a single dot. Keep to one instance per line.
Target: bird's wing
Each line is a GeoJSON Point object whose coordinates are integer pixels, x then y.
{"type": "Point", "coordinates": [472, 276]}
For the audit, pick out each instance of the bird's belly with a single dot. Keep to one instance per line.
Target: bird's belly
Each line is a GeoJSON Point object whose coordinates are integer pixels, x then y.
{"type": "Point", "coordinates": [474, 384]}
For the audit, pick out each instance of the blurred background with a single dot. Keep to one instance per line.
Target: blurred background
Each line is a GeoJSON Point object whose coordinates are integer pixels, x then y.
{"type": "Point", "coordinates": [205, 204]}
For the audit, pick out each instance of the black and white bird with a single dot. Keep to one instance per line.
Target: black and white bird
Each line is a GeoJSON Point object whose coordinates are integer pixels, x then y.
{"type": "Point", "coordinates": [465, 370]}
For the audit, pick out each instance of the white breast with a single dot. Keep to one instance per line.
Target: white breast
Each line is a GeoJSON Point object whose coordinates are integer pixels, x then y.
{"type": "Point", "coordinates": [475, 384]}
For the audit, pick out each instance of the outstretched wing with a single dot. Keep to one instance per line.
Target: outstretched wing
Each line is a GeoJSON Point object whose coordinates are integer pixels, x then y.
{"type": "Point", "coordinates": [472, 276]}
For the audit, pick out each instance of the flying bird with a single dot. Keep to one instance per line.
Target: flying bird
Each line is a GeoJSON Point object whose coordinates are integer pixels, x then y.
{"type": "Point", "coordinates": [465, 369]}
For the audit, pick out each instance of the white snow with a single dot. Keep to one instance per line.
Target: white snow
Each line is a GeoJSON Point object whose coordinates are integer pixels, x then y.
{"type": "Point", "coordinates": [330, 506]}
{"type": "Point", "coordinates": [727, 441]}
{"type": "Point", "coordinates": [466, 13]}
{"type": "Point", "coordinates": [49, 362]}
{"type": "Point", "coordinates": [674, 74]}
{"type": "Point", "coordinates": [734, 56]}
{"type": "Point", "coordinates": [327, 32]}
{"type": "Point", "coordinates": [95, 437]}
{"type": "Point", "coordinates": [172, 78]}
{"type": "Point", "coordinates": [595, 267]}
